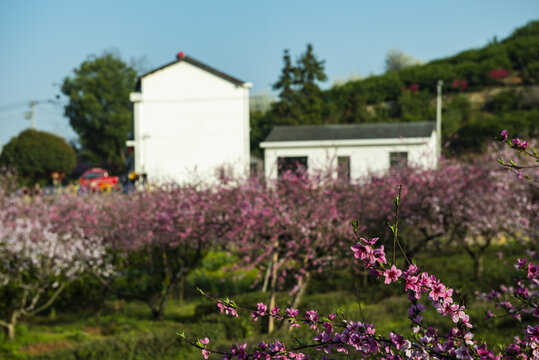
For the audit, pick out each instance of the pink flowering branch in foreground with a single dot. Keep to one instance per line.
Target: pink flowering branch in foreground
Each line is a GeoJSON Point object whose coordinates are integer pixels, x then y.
{"type": "Point", "coordinates": [342, 335]}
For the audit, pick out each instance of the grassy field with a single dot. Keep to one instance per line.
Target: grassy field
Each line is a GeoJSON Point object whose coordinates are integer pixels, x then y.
{"type": "Point", "coordinates": [125, 330]}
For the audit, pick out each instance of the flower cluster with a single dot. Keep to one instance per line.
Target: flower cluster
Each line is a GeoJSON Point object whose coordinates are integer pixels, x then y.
{"type": "Point", "coordinates": [228, 307]}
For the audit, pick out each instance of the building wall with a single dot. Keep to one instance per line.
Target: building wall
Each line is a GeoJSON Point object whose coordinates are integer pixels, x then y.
{"type": "Point", "coordinates": [366, 156]}
{"type": "Point", "coordinates": [189, 122]}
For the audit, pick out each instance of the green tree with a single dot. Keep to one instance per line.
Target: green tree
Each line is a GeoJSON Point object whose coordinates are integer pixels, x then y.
{"type": "Point", "coordinates": [416, 106]}
{"type": "Point", "coordinates": [458, 113]}
{"type": "Point", "coordinates": [261, 126]}
{"type": "Point", "coordinates": [309, 72]}
{"type": "Point", "coordinates": [286, 109]}
{"type": "Point", "coordinates": [36, 154]}
{"type": "Point", "coordinates": [300, 97]}
{"type": "Point", "coordinates": [99, 109]}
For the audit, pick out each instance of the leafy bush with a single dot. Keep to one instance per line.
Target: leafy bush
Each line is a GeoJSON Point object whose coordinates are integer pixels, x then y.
{"type": "Point", "coordinates": [504, 101]}
{"type": "Point", "coordinates": [36, 154]}
{"type": "Point", "coordinates": [215, 276]}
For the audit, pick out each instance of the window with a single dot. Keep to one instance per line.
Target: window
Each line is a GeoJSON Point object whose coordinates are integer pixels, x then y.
{"type": "Point", "coordinates": [343, 168]}
{"type": "Point", "coordinates": [398, 160]}
{"type": "Point", "coordinates": [291, 163]}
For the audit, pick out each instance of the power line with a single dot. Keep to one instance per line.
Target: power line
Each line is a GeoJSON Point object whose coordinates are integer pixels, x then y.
{"type": "Point", "coordinates": [12, 116]}
{"type": "Point", "coordinates": [14, 105]}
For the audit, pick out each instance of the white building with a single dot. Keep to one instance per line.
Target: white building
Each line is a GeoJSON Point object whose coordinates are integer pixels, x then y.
{"type": "Point", "coordinates": [354, 149]}
{"type": "Point", "coordinates": [190, 120]}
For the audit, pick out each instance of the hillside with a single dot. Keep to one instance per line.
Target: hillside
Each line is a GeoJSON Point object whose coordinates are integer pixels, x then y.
{"type": "Point", "coordinates": [485, 90]}
{"type": "Point", "coordinates": [514, 60]}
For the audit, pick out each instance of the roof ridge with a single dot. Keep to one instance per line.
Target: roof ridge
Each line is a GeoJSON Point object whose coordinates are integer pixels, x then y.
{"type": "Point", "coordinates": [200, 65]}
{"type": "Point", "coordinates": [352, 131]}
{"type": "Point", "coordinates": [361, 124]}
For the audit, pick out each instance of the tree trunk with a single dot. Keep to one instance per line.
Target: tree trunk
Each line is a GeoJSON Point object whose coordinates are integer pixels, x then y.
{"type": "Point", "coordinates": [10, 326]}
{"type": "Point", "coordinates": [267, 276]}
{"type": "Point", "coordinates": [478, 266]}
{"type": "Point", "coordinates": [181, 290]}
{"type": "Point", "coordinates": [271, 320]}
{"type": "Point", "coordinates": [303, 283]}
{"type": "Point", "coordinates": [11, 332]}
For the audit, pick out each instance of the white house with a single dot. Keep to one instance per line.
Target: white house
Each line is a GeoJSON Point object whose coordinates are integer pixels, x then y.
{"type": "Point", "coordinates": [190, 120]}
{"type": "Point", "coordinates": [355, 150]}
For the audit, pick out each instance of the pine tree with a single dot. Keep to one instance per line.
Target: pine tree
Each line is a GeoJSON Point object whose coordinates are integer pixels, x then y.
{"type": "Point", "coordinates": [300, 97]}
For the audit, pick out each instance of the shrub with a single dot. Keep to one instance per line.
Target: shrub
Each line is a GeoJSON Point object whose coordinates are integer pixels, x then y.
{"type": "Point", "coordinates": [36, 154]}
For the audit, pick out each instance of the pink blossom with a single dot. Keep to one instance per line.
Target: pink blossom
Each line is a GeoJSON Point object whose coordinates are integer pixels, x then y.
{"type": "Point", "coordinates": [392, 274]}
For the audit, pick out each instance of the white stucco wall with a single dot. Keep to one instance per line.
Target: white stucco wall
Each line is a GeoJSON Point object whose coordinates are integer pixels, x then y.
{"type": "Point", "coordinates": [189, 122]}
{"type": "Point", "coordinates": [366, 156]}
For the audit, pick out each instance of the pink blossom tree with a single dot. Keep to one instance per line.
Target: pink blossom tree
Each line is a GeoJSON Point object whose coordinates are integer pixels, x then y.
{"type": "Point", "coordinates": [463, 203]}
{"type": "Point", "coordinates": [291, 228]}
{"type": "Point", "coordinates": [158, 237]}
{"type": "Point", "coordinates": [37, 260]}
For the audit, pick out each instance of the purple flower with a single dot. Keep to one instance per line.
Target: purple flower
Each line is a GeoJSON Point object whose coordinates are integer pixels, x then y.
{"type": "Point", "coordinates": [503, 135]}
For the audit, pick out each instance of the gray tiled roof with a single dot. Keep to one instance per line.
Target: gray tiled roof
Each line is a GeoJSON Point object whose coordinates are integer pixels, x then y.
{"type": "Point", "coordinates": [352, 132]}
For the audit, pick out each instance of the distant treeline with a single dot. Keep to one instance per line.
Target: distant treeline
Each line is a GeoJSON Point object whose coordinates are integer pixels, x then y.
{"type": "Point", "coordinates": [504, 72]}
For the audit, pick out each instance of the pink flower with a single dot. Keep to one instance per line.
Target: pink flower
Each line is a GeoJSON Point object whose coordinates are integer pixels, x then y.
{"type": "Point", "coordinates": [392, 274]}
{"type": "Point", "coordinates": [292, 313]}
{"type": "Point", "coordinates": [532, 271]}
{"type": "Point", "coordinates": [437, 291]}
{"type": "Point", "coordinates": [521, 263]}
{"type": "Point", "coordinates": [227, 309]}
{"type": "Point", "coordinates": [503, 135]}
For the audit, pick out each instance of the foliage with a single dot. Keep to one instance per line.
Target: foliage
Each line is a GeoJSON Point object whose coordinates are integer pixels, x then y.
{"type": "Point", "coordinates": [458, 113]}
{"type": "Point", "coordinates": [261, 125]}
{"type": "Point", "coordinates": [99, 109]}
{"type": "Point", "coordinates": [504, 101]}
{"type": "Point", "coordinates": [215, 276]}
{"type": "Point", "coordinates": [300, 100]}
{"type": "Point", "coordinates": [36, 154]}
{"type": "Point", "coordinates": [415, 106]}
{"type": "Point", "coordinates": [474, 135]}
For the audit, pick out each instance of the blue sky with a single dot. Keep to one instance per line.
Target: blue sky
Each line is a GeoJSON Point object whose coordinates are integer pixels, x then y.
{"type": "Point", "coordinates": [41, 42]}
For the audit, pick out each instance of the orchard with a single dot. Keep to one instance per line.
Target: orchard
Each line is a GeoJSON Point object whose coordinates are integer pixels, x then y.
{"type": "Point", "coordinates": [144, 247]}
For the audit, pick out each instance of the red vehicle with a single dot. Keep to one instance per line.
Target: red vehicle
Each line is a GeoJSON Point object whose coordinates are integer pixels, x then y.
{"type": "Point", "coordinates": [99, 179]}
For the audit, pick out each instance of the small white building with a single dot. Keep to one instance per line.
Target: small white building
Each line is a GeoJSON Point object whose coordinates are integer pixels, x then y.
{"type": "Point", "coordinates": [352, 151]}
{"type": "Point", "coordinates": [190, 120]}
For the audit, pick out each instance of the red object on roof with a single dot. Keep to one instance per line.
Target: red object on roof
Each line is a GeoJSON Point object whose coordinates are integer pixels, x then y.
{"type": "Point", "coordinates": [181, 55]}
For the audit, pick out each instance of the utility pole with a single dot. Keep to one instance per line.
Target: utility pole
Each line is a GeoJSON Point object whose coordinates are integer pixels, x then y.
{"type": "Point", "coordinates": [439, 116]}
{"type": "Point", "coordinates": [32, 113]}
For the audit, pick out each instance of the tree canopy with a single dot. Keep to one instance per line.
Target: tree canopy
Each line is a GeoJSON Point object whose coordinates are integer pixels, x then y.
{"type": "Point", "coordinates": [36, 154]}
{"type": "Point", "coordinates": [99, 109]}
{"type": "Point", "coordinates": [300, 97]}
